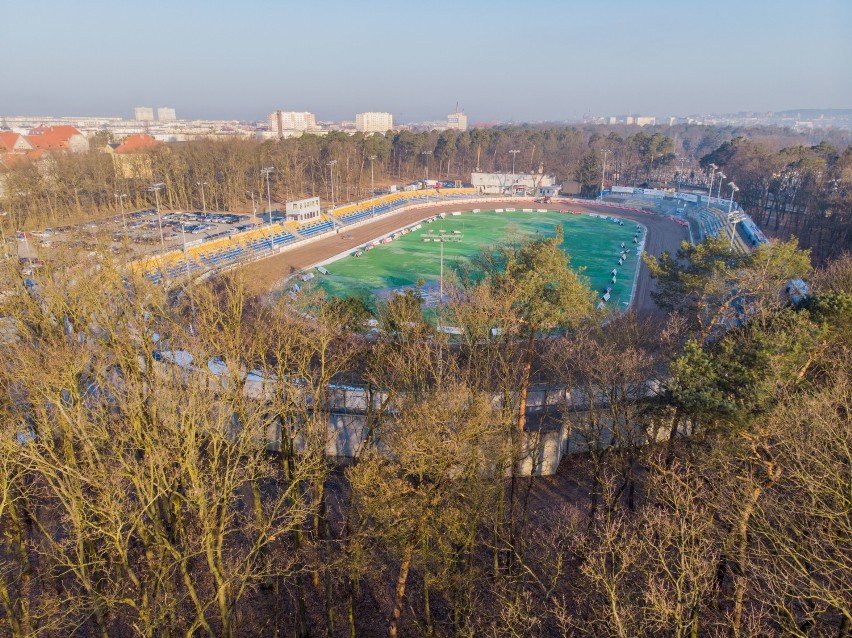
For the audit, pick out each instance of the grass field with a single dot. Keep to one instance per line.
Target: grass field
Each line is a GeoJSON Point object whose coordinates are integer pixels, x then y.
{"type": "Point", "coordinates": [593, 243]}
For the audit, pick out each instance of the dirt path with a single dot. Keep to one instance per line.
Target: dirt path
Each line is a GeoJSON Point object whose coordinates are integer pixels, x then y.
{"type": "Point", "coordinates": [270, 274]}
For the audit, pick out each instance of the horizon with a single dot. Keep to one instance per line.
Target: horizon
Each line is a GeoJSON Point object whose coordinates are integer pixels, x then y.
{"type": "Point", "coordinates": [207, 63]}
{"type": "Point", "coordinates": [473, 122]}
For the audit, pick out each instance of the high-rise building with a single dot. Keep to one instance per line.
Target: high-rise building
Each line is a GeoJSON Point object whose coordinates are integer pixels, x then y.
{"type": "Point", "coordinates": [457, 120]}
{"type": "Point", "coordinates": [373, 122]}
{"type": "Point", "coordinates": [166, 114]}
{"type": "Point", "coordinates": [144, 114]}
{"type": "Point", "coordinates": [281, 121]}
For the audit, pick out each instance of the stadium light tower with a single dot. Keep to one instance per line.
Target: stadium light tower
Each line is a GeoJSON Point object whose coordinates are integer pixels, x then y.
{"type": "Point", "coordinates": [514, 152]}
{"type": "Point", "coordinates": [722, 176]}
{"type": "Point", "coordinates": [713, 168]}
{"type": "Point", "coordinates": [183, 241]}
{"type": "Point", "coordinates": [441, 293]}
{"type": "Point", "coordinates": [266, 170]}
{"type": "Point", "coordinates": [120, 198]}
{"type": "Point", "coordinates": [203, 200]}
{"type": "Point", "coordinates": [735, 216]}
{"type": "Point", "coordinates": [27, 244]}
{"type": "Point", "coordinates": [680, 174]}
{"type": "Point", "coordinates": [156, 188]}
{"type": "Point", "coordinates": [330, 165]}
{"type": "Point", "coordinates": [426, 155]}
{"type": "Point", "coordinates": [441, 278]}
{"type": "Point", "coordinates": [734, 189]}
{"type": "Point", "coordinates": [603, 174]}
{"type": "Point", "coordinates": [253, 205]}
{"type": "Point", "coordinates": [372, 189]}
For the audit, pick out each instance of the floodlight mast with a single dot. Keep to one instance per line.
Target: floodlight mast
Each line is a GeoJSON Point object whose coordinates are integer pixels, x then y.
{"type": "Point", "coordinates": [330, 165]}
{"type": "Point", "coordinates": [680, 174]}
{"type": "Point", "coordinates": [514, 152]}
{"type": "Point", "coordinates": [203, 200]}
{"type": "Point", "coordinates": [120, 198]}
{"type": "Point", "coordinates": [156, 188]}
{"type": "Point", "coordinates": [29, 254]}
{"type": "Point", "coordinates": [253, 204]}
{"type": "Point", "coordinates": [441, 276]}
{"type": "Point", "coordinates": [426, 155]}
{"type": "Point", "coordinates": [372, 189]}
{"type": "Point", "coordinates": [713, 168]}
{"type": "Point", "coordinates": [441, 295]}
{"type": "Point", "coordinates": [733, 218]}
{"type": "Point", "coordinates": [266, 170]}
{"type": "Point", "coordinates": [734, 188]}
{"type": "Point", "coordinates": [722, 177]}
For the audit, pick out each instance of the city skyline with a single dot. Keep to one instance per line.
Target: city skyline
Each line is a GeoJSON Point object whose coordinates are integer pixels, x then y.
{"type": "Point", "coordinates": [542, 62]}
{"type": "Point", "coordinates": [458, 120]}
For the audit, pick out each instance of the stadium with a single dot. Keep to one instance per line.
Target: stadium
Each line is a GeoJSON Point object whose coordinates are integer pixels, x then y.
{"type": "Point", "coordinates": [663, 234]}
{"type": "Point", "coordinates": [389, 236]}
{"type": "Point", "coordinates": [373, 247]}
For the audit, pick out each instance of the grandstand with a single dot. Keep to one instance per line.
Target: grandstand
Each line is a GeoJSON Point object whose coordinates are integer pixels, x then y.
{"type": "Point", "coordinates": [709, 222]}
{"type": "Point", "coordinates": [313, 227]}
{"type": "Point", "coordinates": [363, 210]}
{"type": "Point", "coordinates": [228, 251]}
{"type": "Point", "coordinates": [216, 254]}
{"type": "Point", "coordinates": [706, 218]}
{"type": "Point", "coordinates": [713, 222]}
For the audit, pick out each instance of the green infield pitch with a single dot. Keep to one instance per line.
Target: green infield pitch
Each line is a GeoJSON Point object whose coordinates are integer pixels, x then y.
{"type": "Point", "coordinates": [593, 243]}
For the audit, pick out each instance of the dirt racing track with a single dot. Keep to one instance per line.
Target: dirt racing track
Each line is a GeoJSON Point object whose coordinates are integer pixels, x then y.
{"type": "Point", "coordinates": [271, 273]}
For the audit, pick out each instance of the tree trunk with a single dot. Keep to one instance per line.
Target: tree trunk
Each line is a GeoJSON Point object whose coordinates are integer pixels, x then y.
{"type": "Point", "coordinates": [400, 588]}
{"type": "Point", "coordinates": [525, 382]}
{"type": "Point", "coordinates": [11, 610]}
{"type": "Point", "coordinates": [303, 629]}
{"type": "Point", "coordinates": [672, 437]}
{"type": "Point", "coordinates": [741, 556]}
{"type": "Point", "coordinates": [352, 627]}
{"type": "Point", "coordinates": [693, 631]}
{"type": "Point", "coordinates": [427, 608]}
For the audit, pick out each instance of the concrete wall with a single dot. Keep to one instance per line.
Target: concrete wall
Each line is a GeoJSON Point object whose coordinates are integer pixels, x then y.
{"type": "Point", "coordinates": [557, 417]}
{"type": "Point", "coordinates": [541, 452]}
{"type": "Point", "coordinates": [542, 448]}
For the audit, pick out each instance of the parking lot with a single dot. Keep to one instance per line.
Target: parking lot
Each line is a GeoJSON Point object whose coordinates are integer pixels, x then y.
{"type": "Point", "coordinates": [141, 231]}
{"type": "Point", "coordinates": [143, 227]}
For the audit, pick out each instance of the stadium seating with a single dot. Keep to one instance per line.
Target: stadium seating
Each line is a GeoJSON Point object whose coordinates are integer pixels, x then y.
{"type": "Point", "coordinates": [354, 216]}
{"type": "Point", "coordinates": [225, 251]}
{"type": "Point", "coordinates": [315, 227]}
{"type": "Point", "coordinates": [215, 254]}
{"type": "Point", "coordinates": [352, 213]}
{"type": "Point", "coordinates": [713, 222]}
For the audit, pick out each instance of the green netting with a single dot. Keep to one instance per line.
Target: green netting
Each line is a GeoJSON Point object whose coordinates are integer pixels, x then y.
{"type": "Point", "coordinates": [593, 243]}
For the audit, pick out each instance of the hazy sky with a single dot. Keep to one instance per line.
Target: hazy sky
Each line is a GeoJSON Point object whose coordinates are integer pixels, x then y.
{"type": "Point", "coordinates": [508, 60]}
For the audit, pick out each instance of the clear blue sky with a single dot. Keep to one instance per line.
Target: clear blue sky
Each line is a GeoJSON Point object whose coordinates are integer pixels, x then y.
{"type": "Point", "coordinates": [519, 60]}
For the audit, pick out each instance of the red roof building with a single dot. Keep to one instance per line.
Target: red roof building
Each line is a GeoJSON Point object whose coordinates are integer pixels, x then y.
{"type": "Point", "coordinates": [14, 143]}
{"type": "Point", "coordinates": [130, 158]}
{"type": "Point", "coordinates": [136, 144]}
{"type": "Point", "coordinates": [58, 138]}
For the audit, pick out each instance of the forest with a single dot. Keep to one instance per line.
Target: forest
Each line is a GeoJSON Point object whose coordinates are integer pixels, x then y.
{"type": "Point", "coordinates": [792, 184]}
{"type": "Point", "coordinates": [801, 191]}
{"type": "Point", "coordinates": [140, 495]}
